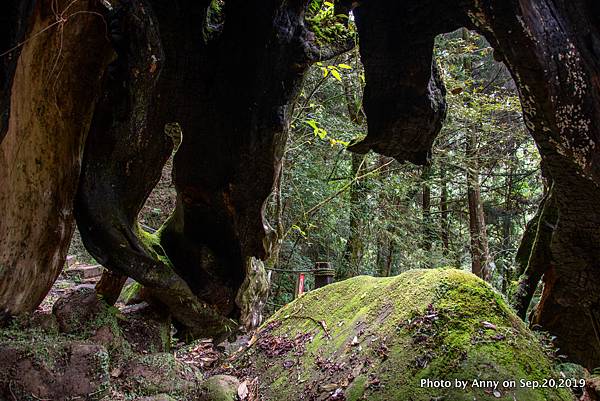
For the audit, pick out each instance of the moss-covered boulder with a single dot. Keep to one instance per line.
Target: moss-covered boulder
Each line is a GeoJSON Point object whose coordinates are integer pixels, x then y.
{"type": "Point", "coordinates": [219, 388]}
{"type": "Point", "coordinates": [409, 337]}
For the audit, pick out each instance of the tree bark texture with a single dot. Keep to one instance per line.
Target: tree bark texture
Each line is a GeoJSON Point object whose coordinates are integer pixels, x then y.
{"type": "Point", "coordinates": [539, 259]}
{"type": "Point", "coordinates": [428, 230]}
{"type": "Point", "coordinates": [355, 246]}
{"type": "Point", "coordinates": [55, 54]}
{"type": "Point", "coordinates": [230, 87]}
{"type": "Point", "coordinates": [444, 212]}
{"type": "Point", "coordinates": [480, 251]}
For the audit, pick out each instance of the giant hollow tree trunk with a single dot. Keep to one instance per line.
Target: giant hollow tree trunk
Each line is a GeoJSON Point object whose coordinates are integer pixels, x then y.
{"type": "Point", "coordinates": [52, 61]}
{"type": "Point", "coordinates": [552, 49]}
{"type": "Point", "coordinates": [229, 84]}
{"type": "Point", "coordinates": [228, 77]}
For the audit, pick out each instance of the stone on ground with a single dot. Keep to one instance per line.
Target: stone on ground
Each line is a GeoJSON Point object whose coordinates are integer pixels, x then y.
{"type": "Point", "coordinates": [79, 309]}
{"type": "Point", "coordinates": [53, 371]}
{"type": "Point", "coordinates": [219, 388]}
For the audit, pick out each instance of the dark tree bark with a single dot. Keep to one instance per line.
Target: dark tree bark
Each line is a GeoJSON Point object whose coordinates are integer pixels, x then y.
{"type": "Point", "coordinates": [229, 85]}
{"type": "Point", "coordinates": [50, 71]}
{"type": "Point", "coordinates": [404, 95]}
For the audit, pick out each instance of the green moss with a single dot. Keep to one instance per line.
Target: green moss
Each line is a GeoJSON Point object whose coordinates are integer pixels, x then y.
{"type": "Point", "coordinates": [391, 333]}
{"type": "Point", "coordinates": [220, 388]}
{"type": "Point", "coordinates": [130, 292]}
{"type": "Point", "coordinates": [356, 389]}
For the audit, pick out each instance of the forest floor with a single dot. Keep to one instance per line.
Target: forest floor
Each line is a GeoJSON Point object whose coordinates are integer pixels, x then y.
{"type": "Point", "coordinates": [55, 353]}
{"type": "Point", "coordinates": [144, 339]}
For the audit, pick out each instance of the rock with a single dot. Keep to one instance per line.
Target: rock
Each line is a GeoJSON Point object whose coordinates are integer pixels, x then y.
{"type": "Point", "coordinates": [145, 328]}
{"type": "Point", "coordinates": [84, 272]}
{"type": "Point", "coordinates": [380, 339]}
{"type": "Point", "coordinates": [79, 309]}
{"type": "Point", "coordinates": [53, 371]}
{"type": "Point", "coordinates": [219, 388]}
{"type": "Point", "coordinates": [40, 320]}
{"type": "Point", "coordinates": [159, 374]}
{"type": "Point", "coordinates": [108, 337]}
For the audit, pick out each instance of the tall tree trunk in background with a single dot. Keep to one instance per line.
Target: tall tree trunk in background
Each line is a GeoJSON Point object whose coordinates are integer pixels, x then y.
{"type": "Point", "coordinates": [385, 244]}
{"type": "Point", "coordinates": [539, 259]}
{"type": "Point", "coordinates": [50, 85]}
{"type": "Point", "coordinates": [385, 254]}
{"type": "Point", "coordinates": [507, 218]}
{"type": "Point", "coordinates": [428, 232]}
{"type": "Point", "coordinates": [444, 213]}
{"type": "Point", "coordinates": [355, 246]}
{"type": "Point", "coordinates": [480, 254]}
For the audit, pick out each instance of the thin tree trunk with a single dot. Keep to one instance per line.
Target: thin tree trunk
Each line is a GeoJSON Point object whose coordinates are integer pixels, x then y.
{"type": "Point", "coordinates": [426, 210]}
{"type": "Point", "coordinates": [444, 215]}
{"type": "Point", "coordinates": [507, 219]}
{"type": "Point", "coordinates": [385, 245]}
{"type": "Point", "coordinates": [480, 254]}
{"type": "Point", "coordinates": [540, 255]}
{"type": "Point", "coordinates": [355, 246]}
{"type": "Point", "coordinates": [480, 257]}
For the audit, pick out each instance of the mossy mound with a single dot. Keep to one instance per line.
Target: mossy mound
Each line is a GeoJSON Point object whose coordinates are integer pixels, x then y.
{"type": "Point", "coordinates": [378, 338]}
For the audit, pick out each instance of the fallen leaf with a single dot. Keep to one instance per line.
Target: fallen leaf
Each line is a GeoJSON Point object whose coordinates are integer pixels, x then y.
{"type": "Point", "coordinates": [243, 390]}
{"type": "Point", "coordinates": [329, 387]}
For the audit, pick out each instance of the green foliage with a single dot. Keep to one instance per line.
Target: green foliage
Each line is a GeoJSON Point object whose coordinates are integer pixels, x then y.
{"type": "Point", "coordinates": [327, 26]}
{"type": "Point", "coordinates": [372, 214]}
